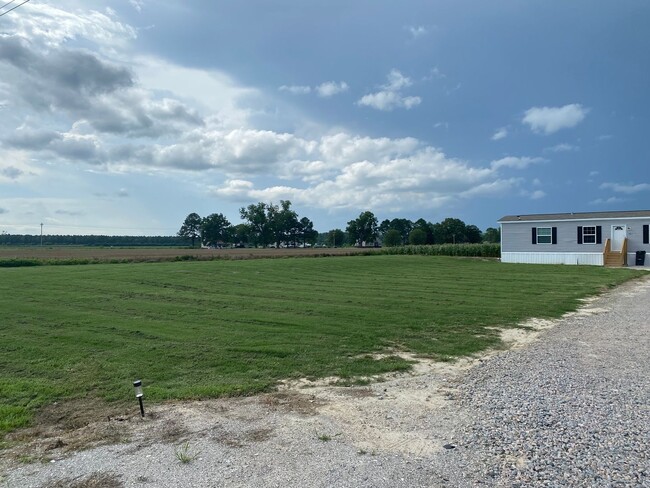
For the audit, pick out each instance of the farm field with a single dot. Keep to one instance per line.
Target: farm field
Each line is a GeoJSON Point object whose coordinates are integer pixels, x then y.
{"type": "Point", "coordinates": [202, 329]}
{"type": "Point", "coordinates": [162, 253]}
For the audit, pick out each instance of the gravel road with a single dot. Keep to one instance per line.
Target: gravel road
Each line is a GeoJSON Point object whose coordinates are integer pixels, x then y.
{"type": "Point", "coordinates": [570, 408]}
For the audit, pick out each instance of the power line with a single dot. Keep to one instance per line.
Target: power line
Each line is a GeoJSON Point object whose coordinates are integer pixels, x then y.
{"type": "Point", "coordinates": [8, 3]}
{"type": "Point", "coordinates": [11, 9]}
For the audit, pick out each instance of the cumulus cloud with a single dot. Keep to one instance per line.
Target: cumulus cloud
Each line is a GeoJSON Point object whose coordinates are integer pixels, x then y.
{"type": "Point", "coordinates": [52, 26]}
{"type": "Point", "coordinates": [330, 88]}
{"type": "Point", "coordinates": [390, 96]}
{"type": "Point", "coordinates": [501, 133]}
{"type": "Point", "coordinates": [548, 120]}
{"type": "Point", "coordinates": [627, 189]}
{"type": "Point", "coordinates": [147, 115]}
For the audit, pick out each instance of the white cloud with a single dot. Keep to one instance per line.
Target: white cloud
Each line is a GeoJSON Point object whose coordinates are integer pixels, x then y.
{"type": "Point", "coordinates": [628, 189]}
{"type": "Point", "coordinates": [137, 4]}
{"type": "Point", "coordinates": [548, 120]}
{"type": "Point", "coordinates": [397, 81]}
{"type": "Point", "coordinates": [501, 133]}
{"type": "Point", "coordinates": [330, 88]}
{"type": "Point", "coordinates": [391, 97]}
{"type": "Point", "coordinates": [600, 201]}
{"type": "Point", "coordinates": [515, 162]}
{"type": "Point", "coordinates": [537, 194]}
{"type": "Point", "coordinates": [562, 148]}
{"type": "Point", "coordinates": [51, 26]}
{"type": "Point", "coordinates": [417, 31]}
{"type": "Point", "coordinates": [296, 89]}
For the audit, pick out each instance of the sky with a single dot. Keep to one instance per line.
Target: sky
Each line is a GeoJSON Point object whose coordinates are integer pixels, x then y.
{"type": "Point", "coordinates": [122, 117]}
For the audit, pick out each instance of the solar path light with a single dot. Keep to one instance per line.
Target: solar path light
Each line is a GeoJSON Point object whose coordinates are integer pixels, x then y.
{"type": "Point", "coordinates": [137, 384]}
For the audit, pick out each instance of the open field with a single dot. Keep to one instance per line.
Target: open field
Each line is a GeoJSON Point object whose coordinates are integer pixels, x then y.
{"type": "Point", "coordinates": [207, 329]}
{"type": "Point", "coordinates": [162, 253]}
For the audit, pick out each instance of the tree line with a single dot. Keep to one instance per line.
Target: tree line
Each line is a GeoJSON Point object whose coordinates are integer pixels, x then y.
{"type": "Point", "coordinates": [264, 225]}
{"type": "Point", "coordinates": [89, 240]}
{"type": "Point", "coordinates": [267, 225]}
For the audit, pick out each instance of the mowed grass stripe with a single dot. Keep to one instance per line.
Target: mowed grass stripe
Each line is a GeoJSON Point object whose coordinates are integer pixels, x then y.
{"type": "Point", "coordinates": [205, 329]}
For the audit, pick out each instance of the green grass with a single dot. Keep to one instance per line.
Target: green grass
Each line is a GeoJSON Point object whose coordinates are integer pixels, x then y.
{"type": "Point", "coordinates": [208, 329]}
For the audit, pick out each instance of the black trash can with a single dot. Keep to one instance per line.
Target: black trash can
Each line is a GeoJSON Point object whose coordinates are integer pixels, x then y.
{"type": "Point", "coordinates": [640, 258]}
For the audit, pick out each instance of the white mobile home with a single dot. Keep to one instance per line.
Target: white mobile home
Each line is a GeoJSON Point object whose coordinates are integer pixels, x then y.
{"type": "Point", "coordinates": [596, 238]}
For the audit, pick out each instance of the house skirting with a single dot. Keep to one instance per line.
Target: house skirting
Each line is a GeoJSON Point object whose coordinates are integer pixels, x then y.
{"type": "Point", "coordinates": [588, 258]}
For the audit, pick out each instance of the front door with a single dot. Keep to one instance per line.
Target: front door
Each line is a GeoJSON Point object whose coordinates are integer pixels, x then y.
{"type": "Point", "coordinates": [619, 232]}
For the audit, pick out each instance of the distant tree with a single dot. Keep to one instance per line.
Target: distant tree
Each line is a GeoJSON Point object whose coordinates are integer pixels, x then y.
{"type": "Point", "coordinates": [307, 232]}
{"type": "Point", "coordinates": [363, 229]}
{"type": "Point", "coordinates": [473, 234]}
{"type": "Point", "coordinates": [283, 222]}
{"type": "Point", "coordinates": [448, 231]}
{"type": "Point", "coordinates": [426, 227]}
{"type": "Point", "coordinates": [404, 227]}
{"type": "Point", "coordinates": [384, 227]}
{"type": "Point", "coordinates": [258, 223]}
{"type": "Point", "coordinates": [392, 238]}
{"type": "Point", "coordinates": [492, 235]}
{"type": "Point", "coordinates": [191, 228]}
{"type": "Point", "coordinates": [417, 237]}
{"type": "Point", "coordinates": [216, 230]}
{"type": "Point", "coordinates": [240, 234]}
{"type": "Point", "coordinates": [335, 238]}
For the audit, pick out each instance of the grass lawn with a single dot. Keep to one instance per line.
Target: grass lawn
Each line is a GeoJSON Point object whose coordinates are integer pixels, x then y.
{"type": "Point", "coordinates": [207, 329]}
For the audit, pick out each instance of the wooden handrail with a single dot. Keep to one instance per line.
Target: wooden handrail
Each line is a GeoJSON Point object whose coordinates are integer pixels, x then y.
{"type": "Point", "coordinates": [624, 251]}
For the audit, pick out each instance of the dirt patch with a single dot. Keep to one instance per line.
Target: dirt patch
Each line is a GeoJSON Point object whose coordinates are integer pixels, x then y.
{"type": "Point", "coordinates": [73, 425]}
{"type": "Point", "coordinates": [95, 480]}
{"type": "Point", "coordinates": [287, 401]}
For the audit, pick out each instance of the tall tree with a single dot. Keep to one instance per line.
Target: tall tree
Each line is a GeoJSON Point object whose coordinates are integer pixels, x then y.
{"type": "Point", "coordinates": [191, 228]}
{"type": "Point", "coordinates": [283, 222]}
{"type": "Point", "coordinates": [307, 232]}
{"type": "Point", "coordinates": [241, 234]}
{"type": "Point", "coordinates": [449, 230]}
{"type": "Point", "coordinates": [426, 227]}
{"type": "Point", "coordinates": [216, 230]}
{"type": "Point", "coordinates": [473, 234]}
{"type": "Point", "coordinates": [258, 223]}
{"type": "Point", "coordinates": [492, 235]}
{"type": "Point", "coordinates": [335, 238]}
{"type": "Point", "coordinates": [417, 237]}
{"type": "Point", "coordinates": [392, 238]}
{"type": "Point", "coordinates": [363, 230]}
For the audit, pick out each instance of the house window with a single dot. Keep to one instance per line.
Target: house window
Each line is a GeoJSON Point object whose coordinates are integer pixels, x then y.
{"type": "Point", "coordinates": [589, 235]}
{"type": "Point", "coordinates": [544, 235]}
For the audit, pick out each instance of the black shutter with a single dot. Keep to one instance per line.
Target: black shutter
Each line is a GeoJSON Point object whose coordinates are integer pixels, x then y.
{"type": "Point", "coordinates": [579, 235]}
{"type": "Point", "coordinates": [599, 234]}
{"type": "Point", "coordinates": [534, 235]}
{"type": "Point", "coordinates": [554, 235]}
{"type": "Point", "coordinates": [646, 234]}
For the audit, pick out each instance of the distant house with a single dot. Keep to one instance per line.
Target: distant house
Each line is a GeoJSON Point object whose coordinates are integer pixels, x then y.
{"type": "Point", "coordinates": [596, 238]}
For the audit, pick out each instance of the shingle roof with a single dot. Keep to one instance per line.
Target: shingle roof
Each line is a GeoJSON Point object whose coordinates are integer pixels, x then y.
{"type": "Point", "coordinates": [577, 216]}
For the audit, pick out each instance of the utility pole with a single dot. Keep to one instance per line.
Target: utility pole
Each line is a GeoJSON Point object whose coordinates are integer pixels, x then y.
{"type": "Point", "coordinates": [41, 234]}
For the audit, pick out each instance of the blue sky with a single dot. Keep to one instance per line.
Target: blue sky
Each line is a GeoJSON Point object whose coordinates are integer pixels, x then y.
{"type": "Point", "coordinates": [122, 117]}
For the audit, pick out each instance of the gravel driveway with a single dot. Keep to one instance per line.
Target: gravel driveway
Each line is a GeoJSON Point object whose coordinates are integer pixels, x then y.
{"type": "Point", "coordinates": [568, 409]}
